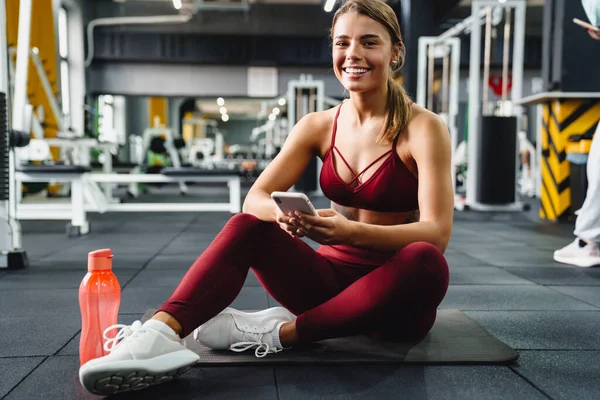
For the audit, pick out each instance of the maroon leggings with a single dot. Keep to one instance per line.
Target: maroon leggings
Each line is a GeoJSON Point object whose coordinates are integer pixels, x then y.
{"type": "Point", "coordinates": [396, 300]}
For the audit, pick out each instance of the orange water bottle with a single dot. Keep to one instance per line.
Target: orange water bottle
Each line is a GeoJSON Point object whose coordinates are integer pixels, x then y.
{"type": "Point", "coordinates": [99, 300]}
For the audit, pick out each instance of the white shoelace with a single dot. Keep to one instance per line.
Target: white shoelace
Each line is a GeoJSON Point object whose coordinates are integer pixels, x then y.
{"type": "Point", "coordinates": [125, 331]}
{"type": "Point", "coordinates": [254, 340]}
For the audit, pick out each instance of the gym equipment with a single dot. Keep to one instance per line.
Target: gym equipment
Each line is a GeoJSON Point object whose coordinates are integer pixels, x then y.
{"type": "Point", "coordinates": [304, 96]}
{"type": "Point", "coordinates": [15, 134]}
{"type": "Point", "coordinates": [454, 339]}
{"type": "Point", "coordinates": [482, 113]}
{"type": "Point", "coordinates": [447, 48]}
{"type": "Point", "coordinates": [86, 195]}
{"type": "Point", "coordinates": [203, 143]}
{"type": "Point", "coordinates": [485, 160]}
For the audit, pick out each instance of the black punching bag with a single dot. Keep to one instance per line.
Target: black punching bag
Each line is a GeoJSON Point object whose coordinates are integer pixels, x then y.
{"type": "Point", "coordinates": [497, 160]}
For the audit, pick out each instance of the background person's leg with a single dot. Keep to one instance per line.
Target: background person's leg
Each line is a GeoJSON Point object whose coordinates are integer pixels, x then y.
{"type": "Point", "coordinates": [584, 251]}
{"type": "Point", "coordinates": [587, 226]}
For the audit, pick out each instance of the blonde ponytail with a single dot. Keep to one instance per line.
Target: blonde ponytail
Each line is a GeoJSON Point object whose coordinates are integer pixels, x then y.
{"type": "Point", "coordinates": [398, 106]}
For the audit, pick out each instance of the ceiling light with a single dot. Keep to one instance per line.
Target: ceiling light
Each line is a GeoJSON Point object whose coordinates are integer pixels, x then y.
{"type": "Point", "coordinates": [223, 110]}
{"type": "Point", "coordinates": [272, 117]}
{"type": "Point", "coordinates": [282, 101]}
{"type": "Point", "coordinates": [329, 5]}
{"type": "Point", "coordinates": [276, 111]}
{"type": "Point", "coordinates": [220, 101]}
{"type": "Point", "coordinates": [177, 4]}
{"type": "Point", "coordinates": [225, 117]}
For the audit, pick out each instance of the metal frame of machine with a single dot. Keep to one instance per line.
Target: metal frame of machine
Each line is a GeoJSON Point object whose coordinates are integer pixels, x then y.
{"type": "Point", "coordinates": [450, 47]}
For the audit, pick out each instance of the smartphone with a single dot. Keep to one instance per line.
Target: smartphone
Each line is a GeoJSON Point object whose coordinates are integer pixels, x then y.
{"type": "Point", "coordinates": [289, 202]}
{"type": "Point", "coordinates": [586, 25]}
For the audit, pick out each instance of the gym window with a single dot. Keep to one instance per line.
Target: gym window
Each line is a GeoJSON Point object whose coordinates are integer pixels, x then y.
{"type": "Point", "coordinates": [63, 51]}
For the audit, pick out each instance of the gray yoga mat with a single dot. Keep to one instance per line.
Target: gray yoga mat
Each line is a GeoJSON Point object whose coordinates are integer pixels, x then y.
{"type": "Point", "coordinates": [454, 339]}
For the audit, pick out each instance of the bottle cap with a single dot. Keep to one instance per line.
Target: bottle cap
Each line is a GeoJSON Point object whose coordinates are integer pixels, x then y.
{"type": "Point", "coordinates": [99, 260]}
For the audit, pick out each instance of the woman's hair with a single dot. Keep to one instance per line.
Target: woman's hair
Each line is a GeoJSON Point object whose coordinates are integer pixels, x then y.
{"type": "Point", "coordinates": [398, 102]}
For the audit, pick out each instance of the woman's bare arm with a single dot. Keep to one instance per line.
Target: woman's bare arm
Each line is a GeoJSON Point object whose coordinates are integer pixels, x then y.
{"type": "Point", "coordinates": [302, 144]}
{"type": "Point", "coordinates": [430, 148]}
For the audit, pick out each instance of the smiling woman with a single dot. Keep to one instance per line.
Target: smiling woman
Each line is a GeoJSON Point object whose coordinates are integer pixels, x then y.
{"type": "Point", "coordinates": [385, 50]}
{"type": "Point", "coordinates": [380, 269]}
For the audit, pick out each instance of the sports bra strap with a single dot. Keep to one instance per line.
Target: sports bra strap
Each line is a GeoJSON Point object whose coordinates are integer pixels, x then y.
{"type": "Point", "coordinates": [334, 130]}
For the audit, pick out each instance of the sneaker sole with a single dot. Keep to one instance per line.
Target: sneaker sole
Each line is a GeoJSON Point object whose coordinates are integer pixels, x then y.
{"type": "Point", "coordinates": [122, 376]}
{"type": "Point", "coordinates": [583, 262]}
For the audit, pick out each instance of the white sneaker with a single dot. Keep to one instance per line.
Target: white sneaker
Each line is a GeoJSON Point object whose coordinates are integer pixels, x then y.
{"type": "Point", "coordinates": [140, 356]}
{"type": "Point", "coordinates": [239, 331]}
{"type": "Point", "coordinates": [574, 254]}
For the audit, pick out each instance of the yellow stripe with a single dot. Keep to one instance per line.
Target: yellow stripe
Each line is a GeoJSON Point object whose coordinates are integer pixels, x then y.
{"type": "Point", "coordinates": [581, 147]}
{"type": "Point", "coordinates": [157, 112]}
{"type": "Point", "coordinates": [560, 170]}
{"type": "Point", "coordinates": [42, 36]}
{"type": "Point", "coordinates": [552, 169]}
{"type": "Point", "coordinates": [564, 109]}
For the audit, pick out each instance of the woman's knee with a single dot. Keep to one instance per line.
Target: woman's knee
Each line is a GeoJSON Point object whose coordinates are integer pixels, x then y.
{"type": "Point", "coordinates": [426, 259]}
{"type": "Point", "coordinates": [248, 225]}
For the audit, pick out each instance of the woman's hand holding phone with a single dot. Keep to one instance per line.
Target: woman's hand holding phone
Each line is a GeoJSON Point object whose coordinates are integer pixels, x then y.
{"type": "Point", "coordinates": [286, 222]}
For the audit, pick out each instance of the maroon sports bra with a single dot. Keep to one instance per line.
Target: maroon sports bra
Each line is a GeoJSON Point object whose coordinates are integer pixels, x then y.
{"type": "Point", "coordinates": [392, 188]}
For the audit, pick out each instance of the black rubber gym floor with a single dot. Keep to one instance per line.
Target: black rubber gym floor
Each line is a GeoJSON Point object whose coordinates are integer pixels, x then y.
{"type": "Point", "coordinates": [502, 276]}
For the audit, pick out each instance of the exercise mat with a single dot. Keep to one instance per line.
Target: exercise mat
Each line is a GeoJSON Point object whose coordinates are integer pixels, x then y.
{"type": "Point", "coordinates": [454, 339]}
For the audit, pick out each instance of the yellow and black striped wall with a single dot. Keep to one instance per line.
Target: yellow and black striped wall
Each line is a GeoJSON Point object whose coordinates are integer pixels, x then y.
{"type": "Point", "coordinates": [563, 118]}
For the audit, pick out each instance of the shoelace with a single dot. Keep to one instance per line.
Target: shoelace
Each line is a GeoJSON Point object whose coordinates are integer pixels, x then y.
{"type": "Point", "coordinates": [125, 331]}
{"type": "Point", "coordinates": [254, 339]}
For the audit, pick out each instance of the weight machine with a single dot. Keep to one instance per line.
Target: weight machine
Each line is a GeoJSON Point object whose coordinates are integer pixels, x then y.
{"type": "Point", "coordinates": [304, 96]}
{"type": "Point", "coordinates": [14, 132]}
{"type": "Point", "coordinates": [492, 150]}
{"type": "Point", "coordinates": [197, 142]}
{"type": "Point", "coordinates": [448, 49]}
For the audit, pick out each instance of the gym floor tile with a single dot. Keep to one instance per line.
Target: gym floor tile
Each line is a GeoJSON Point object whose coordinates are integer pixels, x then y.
{"type": "Point", "coordinates": [169, 278]}
{"type": "Point", "coordinates": [33, 278]}
{"type": "Point", "coordinates": [136, 300]}
{"type": "Point", "coordinates": [35, 302]}
{"type": "Point", "coordinates": [542, 330]}
{"type": "Point", "coordinates": [153, 278]}
{"type": "Point", "coordinates": [509, 298]}
{"type": "Point", "coordinates": [484, 276]}
{"type": "Point", "coordinates": [166, 262]}
{"type": "Point", "coordinates": [55, 378]}
{"type": "Point", "coordinates": [508, 255]}
{"type": "Point", "coordinates": [403, 381]}
{"type": "Point", "coordinates": [80, 255]}
{"type": "Point", "coordinates": [589, 294]}
{"type": "Point", "coordinates": [457, 259]}
{"type": "Point", "coordinates": [36, 336]}
{"type": "Point", "coordinates": [193, 249]}
{"type": "Point", "coordinates": [14, 370]}
{"type": "Point", "coordinates": [568, 275]}
{"type": "Point", "coordinates": [563, 375]}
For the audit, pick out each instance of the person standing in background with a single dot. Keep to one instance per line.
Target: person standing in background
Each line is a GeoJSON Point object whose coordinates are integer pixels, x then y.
{"type": "Point", "coordinates": [584, 251]}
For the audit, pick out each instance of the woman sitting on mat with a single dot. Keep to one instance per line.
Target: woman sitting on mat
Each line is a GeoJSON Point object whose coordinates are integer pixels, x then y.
{"type": "Point", "coordinates": [380, 270]}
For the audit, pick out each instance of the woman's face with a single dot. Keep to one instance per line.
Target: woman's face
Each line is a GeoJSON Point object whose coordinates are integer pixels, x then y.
{"type": "Point", "coordinates": [362, 52]}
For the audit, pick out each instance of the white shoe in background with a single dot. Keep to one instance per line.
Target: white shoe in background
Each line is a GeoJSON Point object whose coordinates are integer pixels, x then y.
{"type": "Point", "coordinates": [239, 331]}
{"type": "Point", "coordinates": [579, 253]}
{"type": "Point", "coordinates": [140, 356]}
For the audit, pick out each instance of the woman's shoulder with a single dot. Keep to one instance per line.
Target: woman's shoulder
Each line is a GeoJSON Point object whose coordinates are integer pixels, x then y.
{"type": "Point", "coordinates": [317, 123]}
{"type": "Point", "coordinates": [425, 124]}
